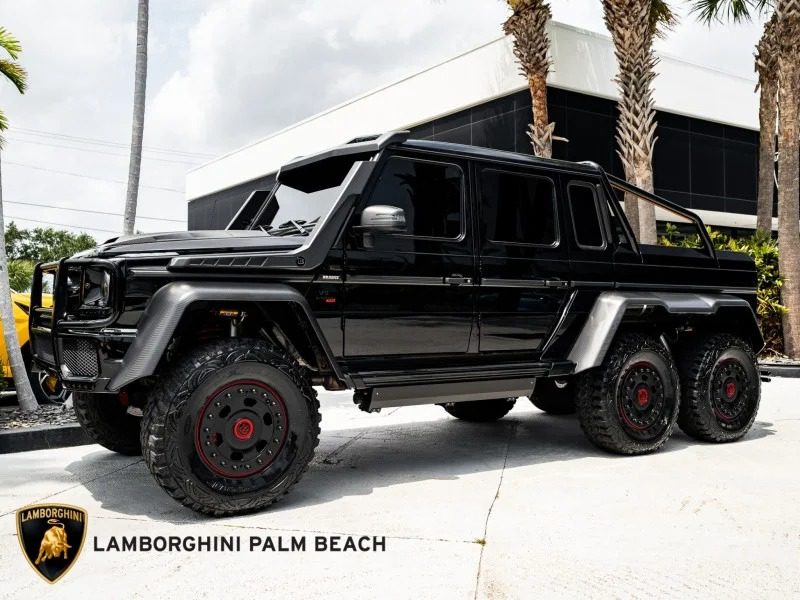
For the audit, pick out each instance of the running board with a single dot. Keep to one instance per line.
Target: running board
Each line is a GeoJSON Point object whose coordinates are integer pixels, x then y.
{"type": "Point", "coordinates": [440, 393]}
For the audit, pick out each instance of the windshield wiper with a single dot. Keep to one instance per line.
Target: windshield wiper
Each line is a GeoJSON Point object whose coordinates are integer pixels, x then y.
{"type": "Point", "coordinates": [292, 227]}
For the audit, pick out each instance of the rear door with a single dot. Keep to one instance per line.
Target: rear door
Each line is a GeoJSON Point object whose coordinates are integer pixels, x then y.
{"type": "Point", "coordinates": [524, 265]}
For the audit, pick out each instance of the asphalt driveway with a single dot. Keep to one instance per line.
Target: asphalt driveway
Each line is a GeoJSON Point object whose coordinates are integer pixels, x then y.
{"type": "Point", "coordinates": [520, 508]}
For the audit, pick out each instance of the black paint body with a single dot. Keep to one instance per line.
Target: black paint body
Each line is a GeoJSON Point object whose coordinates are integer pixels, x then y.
{"type": "Point", "coordinates": [395, 308]}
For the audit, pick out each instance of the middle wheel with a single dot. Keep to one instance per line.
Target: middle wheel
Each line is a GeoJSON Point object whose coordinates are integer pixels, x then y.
{"type": "Point", "coordinates": [481, 411]}
{"type": "Point", "coordinates": [629, 404]}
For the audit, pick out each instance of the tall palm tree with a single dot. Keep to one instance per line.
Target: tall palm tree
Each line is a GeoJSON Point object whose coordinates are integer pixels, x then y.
{"type": "Point", "coordinates": [13, 72]}
{"type": "Point", "coordinates": [633, 25]}
{"type": "Point", "coordinates": [787, 43]}
{"type": "Point", "coordinates": [527, 25]}
{"type": "Point", "coordinates": [766, 65]}
{"type": "Point", "coordinates": [139, 88]}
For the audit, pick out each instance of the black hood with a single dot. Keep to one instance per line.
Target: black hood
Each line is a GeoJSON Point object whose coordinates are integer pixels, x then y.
{"type": "Point", "coordinates": [194, 242]}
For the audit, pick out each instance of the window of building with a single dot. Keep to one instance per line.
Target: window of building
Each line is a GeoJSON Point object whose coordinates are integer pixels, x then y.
{"type": "Point", "coordinates": [430, 193]}
{"type": "Point", "coordinates": [586, 218]}
{"type": "Point", "coordinates": [518, 208]}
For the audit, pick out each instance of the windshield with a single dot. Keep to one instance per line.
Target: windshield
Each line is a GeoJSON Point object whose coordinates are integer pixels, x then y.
{"type": "Point", "coordinates": [304, 196]}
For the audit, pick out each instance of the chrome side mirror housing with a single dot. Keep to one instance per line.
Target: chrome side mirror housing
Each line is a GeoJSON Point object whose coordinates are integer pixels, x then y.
{"type": "Point", "coordinates": [383, 218]}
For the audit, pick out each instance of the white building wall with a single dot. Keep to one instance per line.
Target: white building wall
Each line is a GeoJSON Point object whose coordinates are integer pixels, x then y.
{"type": "Point", "coordinates": [583, 62]}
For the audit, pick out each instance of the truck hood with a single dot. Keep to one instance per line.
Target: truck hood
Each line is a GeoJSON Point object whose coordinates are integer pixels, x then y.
{"type": "Point", "coordinates": [194, 242]}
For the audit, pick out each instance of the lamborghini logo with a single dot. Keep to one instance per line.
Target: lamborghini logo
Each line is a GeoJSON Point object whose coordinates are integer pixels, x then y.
{"type": "Point", "coordinates": [51, 537]}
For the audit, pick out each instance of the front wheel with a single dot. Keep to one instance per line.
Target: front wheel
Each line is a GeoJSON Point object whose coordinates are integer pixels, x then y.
{"type": "Point", "coordinates": [481, 411]}
{"type": "Point", "coordinates": [105, 418]}
{"type": "Point", "coordinates": [231, 427]}
{"type": "Point", "coordinates": [721, 389]}
{"type": "Point", "coordinates": [629, 404]}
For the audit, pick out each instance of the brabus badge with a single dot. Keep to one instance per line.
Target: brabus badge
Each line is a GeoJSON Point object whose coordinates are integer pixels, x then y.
{"type": "Point", "coordinates": [51, 537]}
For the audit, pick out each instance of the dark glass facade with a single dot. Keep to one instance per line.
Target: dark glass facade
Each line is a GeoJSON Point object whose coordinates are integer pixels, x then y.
{"type": "Point", "coordinates": [698, 164]}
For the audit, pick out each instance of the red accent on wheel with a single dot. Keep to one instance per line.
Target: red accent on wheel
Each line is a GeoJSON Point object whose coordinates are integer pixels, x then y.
{"type": "Point", "coordinates": [730, 389]}
{"type": "Point", "coordinates": [643, 396]}
{"type": "Point", "coordinates": [243, 429]}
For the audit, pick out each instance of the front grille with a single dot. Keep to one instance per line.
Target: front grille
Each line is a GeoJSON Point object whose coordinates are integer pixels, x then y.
{"type": "Point", "coordinates": [80, 357]}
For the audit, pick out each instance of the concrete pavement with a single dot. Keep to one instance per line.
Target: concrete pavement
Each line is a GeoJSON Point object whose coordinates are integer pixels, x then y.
{"type": "Point", "coordinates": [520, 508]}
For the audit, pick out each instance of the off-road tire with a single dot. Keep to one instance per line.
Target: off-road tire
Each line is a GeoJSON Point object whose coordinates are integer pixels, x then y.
{"type": "Point", "coordinates": [170, 430]}
{"type": "Point", "coordinates": [554, 400]}
{"type": "Point", "coordinates": [107, 422]}
{"type": "Point", "coordinates": [698, 365]}
{"type": "Point", "coordinates": [481, 411]}
{"type": "Point", "coordinates": [603, 404]}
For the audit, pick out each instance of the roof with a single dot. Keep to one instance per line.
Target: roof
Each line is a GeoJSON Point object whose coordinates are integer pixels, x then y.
{"type": "Point", "coordinates": [480, 152]}
{"type": "Point", "coordinates": [583, 62]}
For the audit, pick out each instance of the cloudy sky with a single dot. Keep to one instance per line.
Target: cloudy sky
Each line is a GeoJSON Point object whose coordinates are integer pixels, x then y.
{"type": "Point", "coordinates": [223, 73]}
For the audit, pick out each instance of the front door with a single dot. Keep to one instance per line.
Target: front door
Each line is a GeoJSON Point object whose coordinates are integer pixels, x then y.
{"type": "Point", "coordinates": [411, 294]}
{"type": "Point", "coordinates": [524, 264]}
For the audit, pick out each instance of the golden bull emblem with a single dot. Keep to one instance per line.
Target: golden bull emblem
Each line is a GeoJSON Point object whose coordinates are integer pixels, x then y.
{"type": "Point", "coordinates": [51, 537]}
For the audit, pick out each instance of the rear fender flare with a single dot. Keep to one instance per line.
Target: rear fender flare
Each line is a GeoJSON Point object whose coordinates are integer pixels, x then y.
{"type": "Point", "coordinates": [610, 308]}
{"type": "Point", "coordinates": [169, 303]}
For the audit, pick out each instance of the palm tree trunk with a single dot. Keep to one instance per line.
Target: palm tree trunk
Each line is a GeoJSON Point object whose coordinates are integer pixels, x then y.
{"type": "Point", "coordinates": [139, 87]}
{"type": "Point", "coordinates": [789, 199]}
{"type": "Point", "coordinates": [767, 114]}
{"type": "Point", "coordinates": [25, 396]}
{"type": "Point", "coordinates": [541, 130]}
{"type": "Point", "coordinates": [629, 23]}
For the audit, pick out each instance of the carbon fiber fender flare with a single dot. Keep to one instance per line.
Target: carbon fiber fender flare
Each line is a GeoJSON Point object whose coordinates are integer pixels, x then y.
{"type": "Point", "coordinates": [609, 309]}
{"type": "Point", "coordinates": [167, 306]}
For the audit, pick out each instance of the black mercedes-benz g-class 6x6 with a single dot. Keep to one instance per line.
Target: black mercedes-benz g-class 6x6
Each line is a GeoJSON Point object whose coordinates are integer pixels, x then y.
{"type": "Point", "coordinates": [410, 272]}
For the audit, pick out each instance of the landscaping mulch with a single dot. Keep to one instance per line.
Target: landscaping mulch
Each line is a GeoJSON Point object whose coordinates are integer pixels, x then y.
{"type": "Point", "coordinates": [12, 417]}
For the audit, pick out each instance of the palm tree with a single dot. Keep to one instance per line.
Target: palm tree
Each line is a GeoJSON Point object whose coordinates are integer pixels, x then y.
{"type": "Point", "coordinates": [139, 87]}
{"type": "Point", "coordinates": [527, 25]}
{"type": "Point", "coordinates": [633, 25]}
{"type": "Point", "coordinates": [13, 72]}
{"type": "Point", "coordinates": [766, 65]}
{"type": "Point", "coordinates": [787, 45]}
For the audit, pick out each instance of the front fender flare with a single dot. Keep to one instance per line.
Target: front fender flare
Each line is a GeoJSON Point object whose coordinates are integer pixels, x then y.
{"type": "Point", "coordinates": [601, 326]}
{"type": "Point", "coordinates": [166, 307]}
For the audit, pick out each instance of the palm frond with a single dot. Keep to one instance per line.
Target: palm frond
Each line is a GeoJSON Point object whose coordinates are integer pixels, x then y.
{"type": "Point", "coordinates": [736, 11]}
{"type": "Point", "coordinates": [15, 74]}
{"type": "Point", "coordinates": [662, 18]}
{"type": "Point", "coordinates": [9, 43]}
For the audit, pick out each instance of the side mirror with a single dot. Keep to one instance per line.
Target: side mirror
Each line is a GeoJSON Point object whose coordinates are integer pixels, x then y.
{"type": "Point", "coordinates": [384, 219]}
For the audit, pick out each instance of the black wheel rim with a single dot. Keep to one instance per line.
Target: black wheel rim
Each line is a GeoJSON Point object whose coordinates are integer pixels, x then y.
{"type": "Point", "coordinates": [731, 393]}
{"type": "Point", "coordinates": [241, 429]}
{"type": "Point", "coordinates": [642, 402]}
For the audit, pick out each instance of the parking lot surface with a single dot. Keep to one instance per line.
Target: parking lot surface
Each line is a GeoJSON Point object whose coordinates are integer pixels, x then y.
{"type": "Point", "coordinates": [521, 508]}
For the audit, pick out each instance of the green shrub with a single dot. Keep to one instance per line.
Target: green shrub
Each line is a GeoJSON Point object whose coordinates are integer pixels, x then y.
{"type": "Point", "coordinates": [764, 252]}
{"type": "Point", "coordinates": [20, 274]}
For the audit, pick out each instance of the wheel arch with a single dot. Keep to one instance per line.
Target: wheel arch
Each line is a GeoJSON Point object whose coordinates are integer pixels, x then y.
{"type": "Point", "coordinates": [170, 312]}
{"type": "Point", "coordinates": [659, 313]}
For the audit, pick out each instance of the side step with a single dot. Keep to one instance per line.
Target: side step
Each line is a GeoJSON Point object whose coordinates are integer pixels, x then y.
{"type": "Point", "coordinates": [439, 393]}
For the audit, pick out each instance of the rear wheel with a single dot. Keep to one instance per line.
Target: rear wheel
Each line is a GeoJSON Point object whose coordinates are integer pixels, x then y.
{"type": "Point", "coordinates": [105, 418]}
{"type": "Point", "coordinates": [554, 396]}
{"type": "Point", "coordinates": [721, 389]}
{"type": "Point", "coordinates": [481, 411]}
{"type": "Point", "coordinates": [231, 427]}
{"type": "Point", "coordinates": [629, 404]}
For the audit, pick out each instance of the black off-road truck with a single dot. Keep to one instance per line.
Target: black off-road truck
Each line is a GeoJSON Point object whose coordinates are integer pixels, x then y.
{"type": "Point", "coordinates": [410, 272]}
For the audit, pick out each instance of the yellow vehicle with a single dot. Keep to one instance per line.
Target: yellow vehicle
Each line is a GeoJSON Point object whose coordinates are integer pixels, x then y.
{"type": "Point", "coordinates": [46, 386]}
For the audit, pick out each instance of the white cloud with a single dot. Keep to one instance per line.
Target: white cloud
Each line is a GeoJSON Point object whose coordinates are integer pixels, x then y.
{"type": "Point", "coordinates": [223, 73]}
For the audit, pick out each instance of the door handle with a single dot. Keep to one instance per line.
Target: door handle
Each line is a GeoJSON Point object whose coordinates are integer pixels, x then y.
{"type": "Point", "coordinates": [556, 283]}
{"type": "Point", "coordinates": [458, 280]}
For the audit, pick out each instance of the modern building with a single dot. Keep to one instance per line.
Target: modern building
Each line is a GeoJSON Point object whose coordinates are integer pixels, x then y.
{"type": "Point", "coordinates": [706, 156]}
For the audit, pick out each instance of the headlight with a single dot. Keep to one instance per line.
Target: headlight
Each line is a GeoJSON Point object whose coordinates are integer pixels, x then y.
{"type": "Point", "coordinates": [96, 288]}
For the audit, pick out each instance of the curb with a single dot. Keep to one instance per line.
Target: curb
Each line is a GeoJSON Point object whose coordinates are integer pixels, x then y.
{"type": "Point", "coordinates": [780, 369]}
{"type": "Point", "coordinates": [42, 437]}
